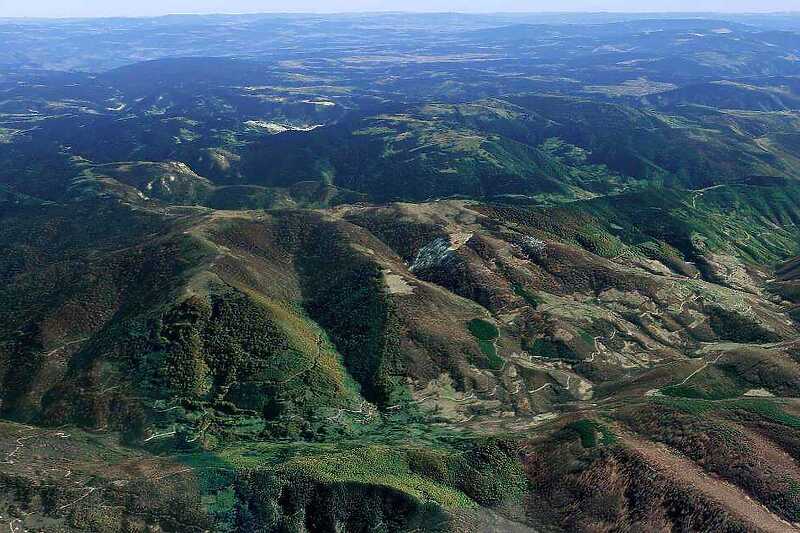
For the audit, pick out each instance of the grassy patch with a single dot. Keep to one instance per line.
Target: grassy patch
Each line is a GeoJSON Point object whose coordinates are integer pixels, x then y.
{"type": "Point", "coordinates": [490, 351]}
{"type": "Point", "coordinates": [483, 330]}
{"type": "Point", "coordinates": [712, 384]}
{"type": "Point", "coordinates": [768, 410]}
{"type": "Point", "coordinates": [688, 405]}
{"type": "Point", "coordinates": [526, 295]}
{"type": "Point", "coordinates": [486, 333]}
{"type": "Point", "coordinates": [588, 431]}
{"type": "Point", "coordinates": [381, 466]}
{"type": "Point", "coordinates": [764, 408]}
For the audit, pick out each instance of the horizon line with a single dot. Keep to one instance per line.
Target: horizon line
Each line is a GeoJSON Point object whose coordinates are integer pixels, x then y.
{"type": "Point", "coordinates": [696, 14]}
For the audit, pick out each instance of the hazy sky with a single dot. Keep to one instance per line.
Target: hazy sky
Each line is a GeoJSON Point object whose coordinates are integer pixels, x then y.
{"type": "Point", "coordinates": [83, 8]}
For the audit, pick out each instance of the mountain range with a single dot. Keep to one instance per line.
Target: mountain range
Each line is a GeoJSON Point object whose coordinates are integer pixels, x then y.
{"type": "Point", "coordinates": [400, 272]}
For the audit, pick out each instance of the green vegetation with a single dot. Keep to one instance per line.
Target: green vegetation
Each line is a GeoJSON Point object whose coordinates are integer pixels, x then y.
{"type": "Point", "coordinates": [346, 296]}
{"type": "Point", "coordinates": [239, 281]}
{"type": "Point", "coordinates": [483, 330]}
{"type": "Point", "coordinates": [487, 335]}
{"type": "Point", "coordinates": [380, 486]}
{"type": "Point", "coordinates": [526, 295]}
{"type": "Point", "coordinates": [709, 385]}
{"type": "Point", "coordinates": [375, 466]}
{"type": "Point", "coordinates": [734, 327]}
{"type": "Point", "coordinates": [765, 408]}
{"type": "Point", "coordinates": [553, 349]}
{"type": "Point", "coordinates": [588, 431]}
{"type": "Point", "coordinates": [769, 410]}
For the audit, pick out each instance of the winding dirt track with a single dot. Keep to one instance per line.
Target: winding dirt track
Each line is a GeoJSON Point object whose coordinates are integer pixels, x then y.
{"type": "Point", "coordinates": [727, 495]}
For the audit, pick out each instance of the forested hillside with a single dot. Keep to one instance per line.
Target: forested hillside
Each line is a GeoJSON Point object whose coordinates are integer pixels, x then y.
{"type": "Point", "coordinates": [400, 273]}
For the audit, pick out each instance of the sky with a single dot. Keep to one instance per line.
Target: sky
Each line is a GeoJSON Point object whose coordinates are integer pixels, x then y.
{"type": "Point", "coordinates": [106, 8]}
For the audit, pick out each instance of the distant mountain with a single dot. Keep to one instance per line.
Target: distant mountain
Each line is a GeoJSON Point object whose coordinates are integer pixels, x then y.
{"type": "Point", "coordinates": [759, 94]}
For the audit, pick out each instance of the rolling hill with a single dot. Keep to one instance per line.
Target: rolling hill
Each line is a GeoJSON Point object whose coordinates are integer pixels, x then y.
{"type": "Point", "coordinates": [399, 272]}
